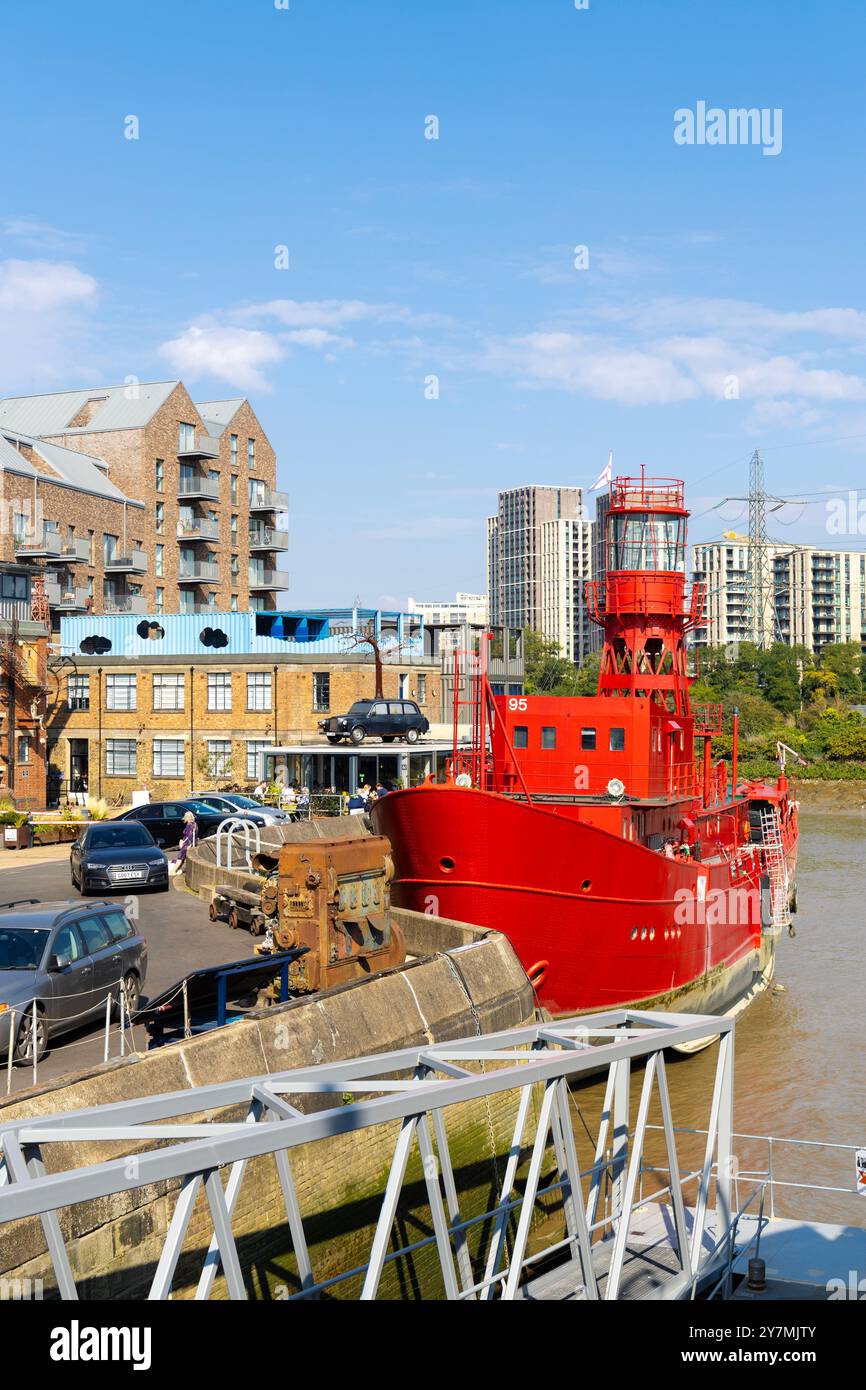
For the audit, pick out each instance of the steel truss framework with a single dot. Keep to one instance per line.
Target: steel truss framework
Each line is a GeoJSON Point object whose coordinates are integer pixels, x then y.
{"type": "Point", "coordinates": [415, 1087]}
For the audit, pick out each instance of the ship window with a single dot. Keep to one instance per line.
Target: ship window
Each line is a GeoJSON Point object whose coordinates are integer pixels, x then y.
{"type": "Point", "coordinates": [617, 740]}
{"type": "Point", "coordinates": [587, 738]}
{"type": "Point", "coordinates": [521, 736]}
{"type": "Point", "coordinates": [548, 737]}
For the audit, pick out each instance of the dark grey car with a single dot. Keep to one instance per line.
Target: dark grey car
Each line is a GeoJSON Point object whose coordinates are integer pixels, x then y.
{"type": "Point", "coordinates": [111, 857]}
{"type": "Point", "coordinates": [67, 958]}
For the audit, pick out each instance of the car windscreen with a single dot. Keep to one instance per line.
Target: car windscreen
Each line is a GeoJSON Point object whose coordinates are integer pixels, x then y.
{"type": "Point", "coordinates": [200, 808]}
{"type": "Point", "coordinates": [128, 835]}
{"type": "Point", "coordinates": [21, 948]}
{"type": "Point", "coordinates": [244, 801]}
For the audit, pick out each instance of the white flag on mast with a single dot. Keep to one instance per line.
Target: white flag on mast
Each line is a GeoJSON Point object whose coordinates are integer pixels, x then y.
{"type": "Point", "coordinates": [605, 475]}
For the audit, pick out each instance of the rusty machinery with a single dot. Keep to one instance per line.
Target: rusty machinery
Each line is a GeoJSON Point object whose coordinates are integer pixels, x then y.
{"type": "Point", "coordinates": [331, 896]}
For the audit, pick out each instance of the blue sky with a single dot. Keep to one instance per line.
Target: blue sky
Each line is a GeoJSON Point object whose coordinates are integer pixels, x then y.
{"type": "Point", "coordinates": [411, 258]}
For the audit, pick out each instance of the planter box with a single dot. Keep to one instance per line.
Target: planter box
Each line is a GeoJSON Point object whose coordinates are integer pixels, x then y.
{"type": "Point", "coordinates": [16, 836]}
{"type": "Point", "coordinates": [57, 834]}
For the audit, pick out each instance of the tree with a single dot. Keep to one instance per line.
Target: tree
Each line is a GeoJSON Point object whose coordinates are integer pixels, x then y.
{"type": "Point", "coordinates": [844, 660]}
{"type": "Point", "coordinates": [546, 671]}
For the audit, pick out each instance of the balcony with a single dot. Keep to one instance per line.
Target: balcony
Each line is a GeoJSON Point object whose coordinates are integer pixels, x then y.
{"type": "Point", "coordinates": [200, 486]}
{"type": "Point", "coordinates": [269, 579]}
{"type": "Point", "coordinates": [201, 528]}
{"type": "Point", "coordinates": [267, 538]}
{"type": "Point", "coordinates": [133, 562]}
{"type": "Point", "coordinates": [66, 598]}
{"type": "Point", "coordinates": [198, 572]}
{"type": "Point", "coordinates": [202, 447]}
{"type": "Point", "coordinates": [49, 545]}
{"type": "Point", "coordinates": [126, 603]}
{"type": "Point", "coordinates": [265, 499]}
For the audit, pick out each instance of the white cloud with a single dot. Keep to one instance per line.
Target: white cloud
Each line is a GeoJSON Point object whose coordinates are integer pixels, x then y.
{"type": "Point", "coordinates": [35, 287]}
{"type": "Point", "coordinates": [317, 338]}
{"type": "Point", "coordinates": [44, 237]}
{"type": "Point", "coordinates": [319, 313]}
{"type": "Point", "coordinates": [225, 352]}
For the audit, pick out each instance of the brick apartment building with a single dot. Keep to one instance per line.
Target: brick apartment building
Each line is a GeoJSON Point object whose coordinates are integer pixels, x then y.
{"type": "Point", "coordinates": [24, 684]}
{"type": "Point", "coordinates": [134, 499]}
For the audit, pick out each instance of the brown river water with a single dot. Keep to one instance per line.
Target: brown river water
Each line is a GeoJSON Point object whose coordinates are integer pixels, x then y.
{"type": "Point", "coordinates": [800, 1069]}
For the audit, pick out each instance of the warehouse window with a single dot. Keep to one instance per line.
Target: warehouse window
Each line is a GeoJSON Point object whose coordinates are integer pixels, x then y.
{"type": "Point", "coordinates": [78, 692]}
{"type": "Point", "coordinates": [15, 586]}
{"type": "Point", "coordinates": [23, 752]}
{"type": "Point", "coordinates": [255, 769]}
{"type": "Point", "coordinates": [321, 690]}
{"type": "Point", "coordinates": [219, 690]}
{"type": "Point", "coordinates": [120, 692]}
{"type": "Point", "coordinates": [168, 757]}
{"type": "Point", "coordinates": [258, 690]}
{"type": "Point", "coordinates": [219, 757]}
{"type": "Point", "coordinates": [422, 687]}
{"type": "Point", "coordinates": [120, 757]}
{"type": "Point", "coordinates": [168, 691]}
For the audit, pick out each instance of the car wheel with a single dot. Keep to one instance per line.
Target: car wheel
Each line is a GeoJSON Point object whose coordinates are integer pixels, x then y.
{"type": "Point", "coordinates": [358, 734]}
{"type": "Point", "coordinates": [82, 886]}
{"type": "Point", "coordinates": [132, 985]}
{"type": "Point", "coordinates": [23, 1050]}
{"type": "Point", "coordinates": [411, 735]}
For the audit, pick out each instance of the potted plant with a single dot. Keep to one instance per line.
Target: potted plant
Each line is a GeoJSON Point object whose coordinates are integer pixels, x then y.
{"type": "Point", "coordinates": [16, 828]}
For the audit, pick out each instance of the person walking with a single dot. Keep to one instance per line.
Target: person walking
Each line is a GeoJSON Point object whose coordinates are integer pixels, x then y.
{"type": "Point", "coordinates": [188, 841]}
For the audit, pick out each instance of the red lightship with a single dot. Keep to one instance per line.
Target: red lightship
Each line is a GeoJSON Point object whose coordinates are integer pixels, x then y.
{"type": "Point", "coordinates": [597, 832]}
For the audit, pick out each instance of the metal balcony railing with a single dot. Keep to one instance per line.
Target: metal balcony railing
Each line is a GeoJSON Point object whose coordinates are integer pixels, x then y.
{"type": "Point", "coordinates": [130, 562]}
{"type": "Point", "coordinates": [201, 528]}
{"type": "Point", "coordinates": [268, 538]}
{"type": "Point", "coordinates": [191, 572]}
{"type": "Point", "coordinates": [128, 603]}
{"type": "Point", "coordinates": [203, 447]}
{"type": "Point", "coordinates": [266, 499]}
{"type": "Point", "coordinates": [269, 579]}
{"type": "Point", "coordinates": [199, 486]}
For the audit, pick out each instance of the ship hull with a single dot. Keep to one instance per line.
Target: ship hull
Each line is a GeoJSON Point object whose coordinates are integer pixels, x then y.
{"type": "Point", "coordinates": [596, 921]}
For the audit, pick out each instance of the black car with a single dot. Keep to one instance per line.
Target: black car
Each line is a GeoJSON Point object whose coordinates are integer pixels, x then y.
{"type": "Point", "coordinates": [68, 958]}
{"type": "Point", "coordinates": [385, 719]}
{"type": "Point", "coordinates": [113, 856]}
{"type": "Point", "coordinates": [164, 819]}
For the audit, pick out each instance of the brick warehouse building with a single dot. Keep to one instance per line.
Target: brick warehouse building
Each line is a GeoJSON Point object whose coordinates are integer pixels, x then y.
{"type": "Point", "coordinates": [136, 500]}
{"type": "Point", "coordinates": [168, 704]}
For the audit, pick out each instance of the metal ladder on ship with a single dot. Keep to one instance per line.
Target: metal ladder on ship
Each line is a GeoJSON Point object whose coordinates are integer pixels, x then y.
{"type": "Point", "coordinates": [777, 868]}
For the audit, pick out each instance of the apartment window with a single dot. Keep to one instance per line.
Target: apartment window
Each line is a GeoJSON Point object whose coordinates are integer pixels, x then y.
{"type": "Point", "coordinates": [234, 489]}
{"type": "Point", "coordinates": [160, 600]}
{"type": "Point", "coordinates": [587, 739]}
{"type": "Point", "coordinates": [251, 453]}
{"type": "Point", "coordinates": [78, 692]}
{"type": "Point", "coordinates": [255, 748]}
{"type": "Point", "coordinates": [521, 736]}
{"type": "Point", "coordinates": [234, 529]}
{"type": "Point", "coordinates": [185, 438]}
{"type": "Point", "coordinates": [121, 757]}
{"type": "Point", "coordinates": [617, 740]}
{"type": "Point", "coordinates": [160, 475]}
{"type": "Point", "coordinates": [109, 547]}
{"type": "Point", "coordinates": [168, 691]}
{"type": "Point", "coordinates": [321, 690]}
{"type": "Point", "coordinates": [159, 559]}
{"type": "Point", "coordinates": [258, 690]}
{"type": "Point", "coordinates": [91, 536]}
{"type": "Point", "coordinates": [120, 692]}
{"type": "Point", "coordinates": [233, 447]}
{"type": "Point", "coordinates": [168, 757]}
{"type": "Point", "coordinates": [23, 748]}
{"type": "Point", "coordinates": [219, 690]}
{"type": "Point", "coordinates": [235, 566]}
{"type": "Point", "coordinates": [219, 757]}
{"type": "Point", "coordinates": [14, 586]}
{"type": "Point", "coordinates": [548, 736]}
{"type": "Point", "coordinates": [422, 687]}
{"type": "Point", "coordinates": [160, 518]}
{"type": "Point", "coordinates": [20, 527]}
{"type": "Point", "coordinates": [256, 491]}
{"type": "Point", "coordinates": [234, 603]}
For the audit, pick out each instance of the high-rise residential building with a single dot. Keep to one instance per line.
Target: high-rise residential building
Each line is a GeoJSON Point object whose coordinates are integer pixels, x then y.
{"type": "Point", "coordinates": [817, 596]}
{"type": "Point", "coordinates": [463, 608]}
{"type": "Point", "coordinates": [514, 550]}
{"type": "Point", "coordinates": [135, 499]}
{"type": "Point", "coordinates": [566, 563]}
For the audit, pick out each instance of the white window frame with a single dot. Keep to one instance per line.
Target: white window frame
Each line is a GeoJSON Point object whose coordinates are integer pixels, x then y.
{"type": "Point", "coordinates": [117, 682]}
{"type": "Point", "coordinates": [259, 689]}
{"type": "Point", "coordinates": [163, 758]}
{"type": "Point", "coordinates": [129, 756]}
{"type": "Point", "coordinates": [219, 691]}
{"type": "Point", "coordinates": [169, 691]}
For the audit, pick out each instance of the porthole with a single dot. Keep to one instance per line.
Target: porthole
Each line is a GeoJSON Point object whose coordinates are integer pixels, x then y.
{"type": "Point", "coordinates": [652, 933]}
{"type": "Point", "coordinates": [586, 885]}
{"type": "Point", "coordinates": [634, 933]}
{"type": "Point", "coordinates": [643, 933]}
{"type": "Point", "coordinates": [446, 864]}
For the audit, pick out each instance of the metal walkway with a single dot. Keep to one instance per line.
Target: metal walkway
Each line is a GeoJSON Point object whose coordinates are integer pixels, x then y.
{"type": "Point", "coordinates": [608, 1249]}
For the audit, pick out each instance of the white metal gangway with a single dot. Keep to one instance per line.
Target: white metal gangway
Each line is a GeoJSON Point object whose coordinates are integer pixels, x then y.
{"type": "Point", "coordinates": [776, 866]}
{"type": "Point", "coordinates": [599, 1247]}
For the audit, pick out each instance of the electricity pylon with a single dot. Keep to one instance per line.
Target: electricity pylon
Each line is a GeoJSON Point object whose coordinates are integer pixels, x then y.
{"type": "Point", "coordinates": [761, 588]}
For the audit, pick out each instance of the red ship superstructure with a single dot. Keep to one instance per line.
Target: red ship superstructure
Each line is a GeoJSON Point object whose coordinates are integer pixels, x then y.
{"type": "Point", "coordinates": [597, 832]}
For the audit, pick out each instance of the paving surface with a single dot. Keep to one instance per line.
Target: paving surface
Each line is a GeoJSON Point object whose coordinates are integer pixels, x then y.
{"type": "Point", "coordinates": [180, 938]}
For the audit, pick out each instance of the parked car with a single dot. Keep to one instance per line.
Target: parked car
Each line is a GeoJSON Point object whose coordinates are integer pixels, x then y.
{"type": "Point", "coordinates": [385, 719]}
{"type": "Point", "coordinates": [68, 957]}
{"type": "Point", "coordinates": [234, 804]}
{"type": "Point", "coordinates": [164, 819]}
{"type": "Point", "coordinates": [108, 856]}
